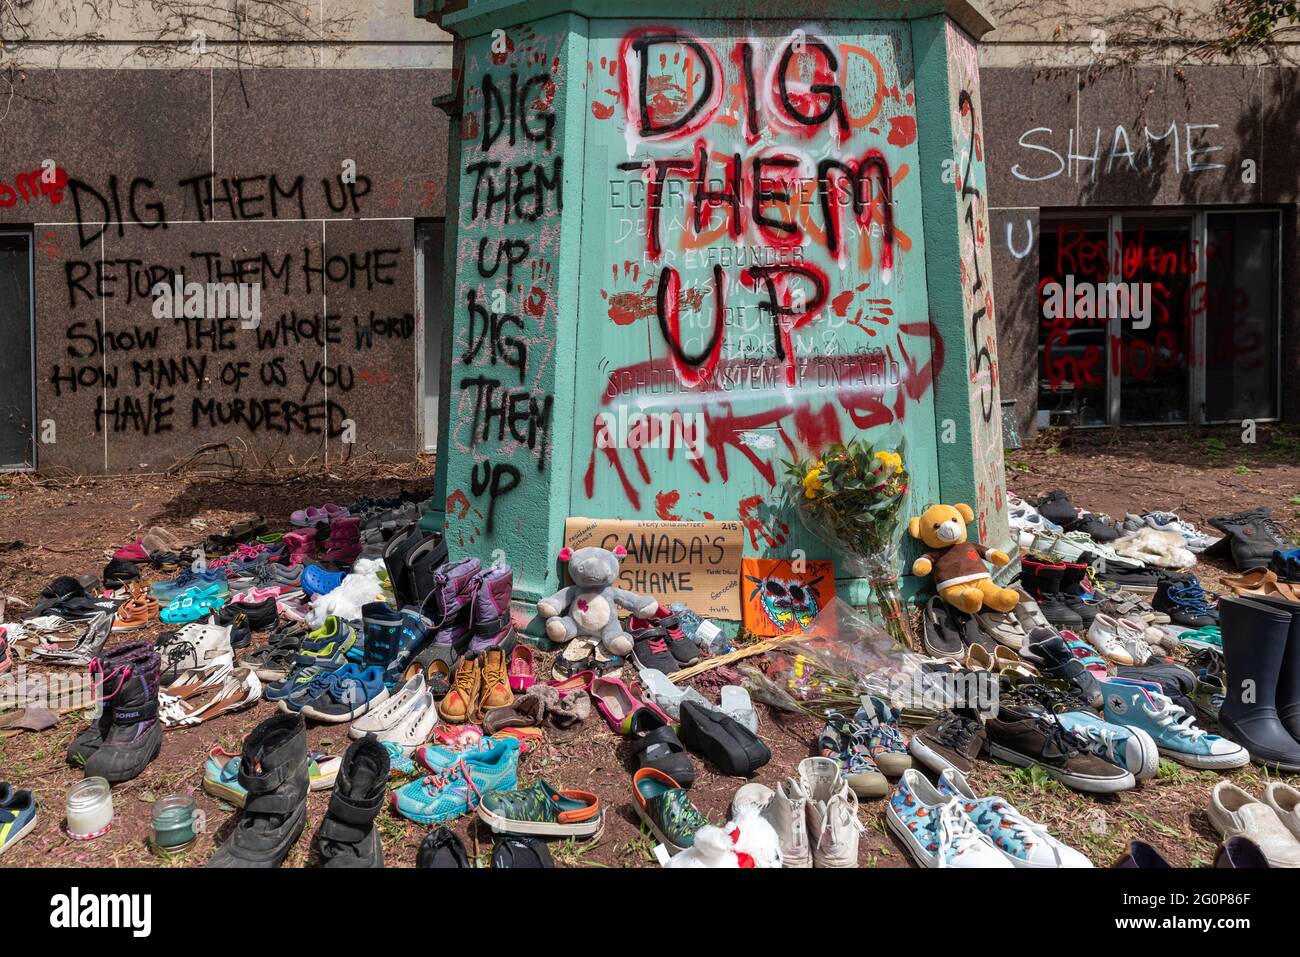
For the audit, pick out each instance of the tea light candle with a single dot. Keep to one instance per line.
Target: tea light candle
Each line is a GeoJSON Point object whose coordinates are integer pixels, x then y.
{"type": "Point", "coordinates": [89, 809]}
{"type": "Point", "coordinates": [173, 821]}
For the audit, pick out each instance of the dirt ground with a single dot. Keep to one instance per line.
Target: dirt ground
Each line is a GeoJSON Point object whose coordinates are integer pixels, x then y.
{"type": "Point", "coordinates": [49, 528]}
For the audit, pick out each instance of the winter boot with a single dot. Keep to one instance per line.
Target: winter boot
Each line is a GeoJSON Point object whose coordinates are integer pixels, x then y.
{"type": "Point", "coordinates": [406, 543]}
{"type": "Point", "coordinates": [1255, 643]}
{"type": "Point", "coordinates": [491, 614]}
{"type": "Point", "coordinates": [347, 836]}
{"type": "Point", "coordinates": [273, 770]}
{"type": "Point", "coordinates": [1043, 582]}
{"type": "Point", "coordinates": [1182, 599]}
{"type": "Point", "coordinates": [450, 603]}
{"type": "Point", "coordinates": [134, 734]}
{"type": "Point", "coordinates": [107, 675]}
{"type": "Point", "coordinates": [302, 546]}
{"type": "Point", "coordinates": [424, 563]}
{"type": "Point", "coordinates": [1250, 537]}
{"type": "Point", "coordinates": [1073, 588]}
{"type": "Point", "coordinates": [392, 637]}
{"type": "Point", "coordinates": [343, 546]}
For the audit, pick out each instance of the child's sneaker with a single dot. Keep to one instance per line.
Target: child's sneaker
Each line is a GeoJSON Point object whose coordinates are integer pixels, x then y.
{"type": "Point", "coordinates": [853, 757]}
{"type": "Point", "coordinates": [877, 727]}
{"type": "Point", "coordinates": [1023, 842]}
{"type": "Point", "coordinates": [1129, 748]}
{"type": "Point", "coordinates": [935, 829]}
{"type": "Point", "coordinates": [1140, 704]}
{"type": "Point", "coordinates": [458, 790]}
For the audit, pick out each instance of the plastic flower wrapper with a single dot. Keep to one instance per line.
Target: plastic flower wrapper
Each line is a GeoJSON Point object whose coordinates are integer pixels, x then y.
{"type": "Point", "coordinates": [840, 658]}
{"type": "Point", "coordinates": [851, 496]}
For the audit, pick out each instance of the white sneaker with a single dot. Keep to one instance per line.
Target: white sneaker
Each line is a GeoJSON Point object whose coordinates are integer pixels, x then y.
{"type": "Point", "coordinates": [787, 812]}
{"type": "Point", "coordinates": [833, 825]}
{"type": "Point", "coordinates": [1237, 813]}
{"type": "Point", "coordinates": [1197, 541]}
{"type": "Point", "coordinates": [194, 646]}
{"type": "Point", "coordinates": [392, 712]}
{"type": "Point", "coordinates": [416, 724]}
{"type": "Point", "coordinates": [1104, 635]}
{"type": "Point", "coordinates": [1285, 802]}
{"type": "Point", "coordinates": [934, 828]}
{"type": "Point", "coordinates": [1023, 842]}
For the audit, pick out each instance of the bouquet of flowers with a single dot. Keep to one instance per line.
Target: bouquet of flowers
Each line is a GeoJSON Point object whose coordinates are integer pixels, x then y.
{"type": "Point", "coordinates": [851, 496]}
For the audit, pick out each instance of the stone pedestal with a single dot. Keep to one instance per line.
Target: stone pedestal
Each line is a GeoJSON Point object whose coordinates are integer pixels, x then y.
{"type": "Point", "coordinates": [691, 247]}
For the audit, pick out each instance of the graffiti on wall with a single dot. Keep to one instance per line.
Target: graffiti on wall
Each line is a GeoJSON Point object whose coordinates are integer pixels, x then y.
{"type": "Point", "coordinates": [756, 263]}
{"type": "Point", "coordinates": [976, 281]}
{"type": "Point", "coordinates": [294, 372]}
{"type": "Point", "coordinates": [502, 400]}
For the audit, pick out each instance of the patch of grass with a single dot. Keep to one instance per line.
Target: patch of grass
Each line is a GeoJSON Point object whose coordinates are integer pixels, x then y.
{"type": "Point", "coordinates": [1244, 470]}
{"type": "Point", "coordinates": [1215, 448]}
{"type": "Point", "coordinates": [1034, 778]}
{"type": "Point", "coordinates": [1170, 772]}
{"type": "Point", "coordinates": [572, 852]}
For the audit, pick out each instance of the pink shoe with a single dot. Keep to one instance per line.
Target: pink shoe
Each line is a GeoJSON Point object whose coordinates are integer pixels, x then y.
{"type": "Point", "coordinates": [302, 546]}
{"type": "Point", "coordinates": [461, 736]}
{"type": "Point", "coordinates": [621, 705]}
{"type": "Point", "coordinates": [255, 595]}
{"type": "Point", "coordinates": [343, 547]}
{"type": "Point", "coordinates": [294, 606]}
{"type": "Point", "coordinates": [135, 552]}
{"type": "Point", "coordinates": [522, 674]}
{"type": "Point", "coordinates": [305, 517]}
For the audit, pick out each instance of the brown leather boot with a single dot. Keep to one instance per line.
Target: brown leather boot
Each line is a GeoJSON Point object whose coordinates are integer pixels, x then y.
{"type": "Point", "coordinates": [462, 701]}
{"type": "Point", "coordinates": [496, 683]}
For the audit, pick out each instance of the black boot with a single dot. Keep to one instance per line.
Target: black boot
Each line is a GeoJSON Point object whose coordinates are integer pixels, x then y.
{"type": "Point", "coordinates": [134, 735]}
{"type": "Point", "coordinates": [1250, 536]}
{"type": "Point", "coordinates": [107, 675]}
{"type": "Point", "coordinates": [1043, 581]}
{"type": "Point", "coordinates": [1072, 588]}
{"type": "Point", "coordinates": [347, 836]}
{"type": "Point", "coordinates": [1288, 682]}
{"type": "Point", "coordinates": [273, 769]}
{"type": "Point", "coordinates": [1255, 639]}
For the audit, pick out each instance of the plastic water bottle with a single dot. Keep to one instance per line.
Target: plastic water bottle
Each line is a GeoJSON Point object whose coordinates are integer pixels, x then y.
{"type": "Point", "coordinates": [708, 636]}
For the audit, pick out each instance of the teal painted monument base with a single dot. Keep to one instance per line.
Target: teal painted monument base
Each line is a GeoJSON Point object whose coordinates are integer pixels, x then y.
{"type": "Point", "coordinates": [690, 246]}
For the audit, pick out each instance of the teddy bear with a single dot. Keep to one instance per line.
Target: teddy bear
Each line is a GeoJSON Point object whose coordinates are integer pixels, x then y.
{"type": "Point", "coordinates": [960, 577]}
{"type": "Point", "coordinates": [747, 840]}
{"type": "Point", "coordinates": [589, 607]}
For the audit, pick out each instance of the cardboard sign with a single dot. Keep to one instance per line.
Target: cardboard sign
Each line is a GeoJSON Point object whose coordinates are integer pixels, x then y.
{"type": "Point", "coordinates": [779, 600]}
{"type": "Point", "coordinates": [695, 563]}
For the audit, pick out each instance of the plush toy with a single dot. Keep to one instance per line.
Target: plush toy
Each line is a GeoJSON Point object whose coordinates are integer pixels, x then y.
{"type": "Point", "coordinates": [747, 840]}
{"type": "Point", "coordinates": [589, 607]}
{"type": "Point", "coordinates": [960, 577]}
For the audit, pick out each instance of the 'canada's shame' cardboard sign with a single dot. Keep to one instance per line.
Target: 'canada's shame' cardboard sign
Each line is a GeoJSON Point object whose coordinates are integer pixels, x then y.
{"type": "Point", "coordinates": [695, 563]}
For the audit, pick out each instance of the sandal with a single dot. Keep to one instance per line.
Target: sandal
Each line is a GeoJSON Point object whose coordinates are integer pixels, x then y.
{"type": "Point", "coordinates": [83, 650]}
{"type": "Point", "coordinates": [138, 610]}
{"type": "Point", "coordinates": [1263, 582]}
{"type": "Point", "coordinates": [193, 605]}
{"type": "Point", "coordinates": [241, 690]}
{"type": "Point", "coordinates": [579, 655]}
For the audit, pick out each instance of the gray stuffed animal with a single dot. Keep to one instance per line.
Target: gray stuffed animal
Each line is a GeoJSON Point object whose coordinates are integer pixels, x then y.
{"type": "Point", "coordinates": [589, 607]}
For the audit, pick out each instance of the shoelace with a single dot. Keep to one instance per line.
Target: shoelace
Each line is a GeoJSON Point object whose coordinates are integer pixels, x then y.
{"type": "Point", "coordinates": [1104, 739]}
{"type": "Point", "coordinates": [1191, 597]}
{"type": "Point", "coordinates": [457, 772]}
{"type": "Point", "coordinates": [957, 732]}
{"type": "Point", "coordinates": [1167, 716]}
{"type": "Point", "coordinates": [957, 833]}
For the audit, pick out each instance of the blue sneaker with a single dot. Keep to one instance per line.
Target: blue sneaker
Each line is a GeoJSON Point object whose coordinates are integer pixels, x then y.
{"type": "Point", "coordinates": [1140, 704]}
{"type": "Point", "coordinates": [17, 816]}
{"type": "Point", "coordinates": [1023, 842]}
{"type": "Point", "coordinates": [349, 693]}
{"type": "Point", "coordinates": [166, 591]}
{"type": "Point", "coordinates": [458, 790]}
{"type": "Point", "coordinates": [399, 762]}
{"type": "Point", "coordinates": [439, 757]}
{"type": "Point", "coordinates": [1129, 748]}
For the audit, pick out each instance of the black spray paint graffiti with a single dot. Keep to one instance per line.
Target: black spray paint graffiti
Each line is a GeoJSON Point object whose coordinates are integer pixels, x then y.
{"type": "Point", "coordinates": [195, 373]}
{"type": "Point", "coordinates": [508, 415]}
{"type": "Point", "coordinates": [141, 203]}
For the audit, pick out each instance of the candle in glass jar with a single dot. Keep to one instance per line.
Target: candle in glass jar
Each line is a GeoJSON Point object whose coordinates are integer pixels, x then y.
{"type": "Point", "coordinates": [173, 821]}
{"type": "Point", "coordinates": [89, 809]}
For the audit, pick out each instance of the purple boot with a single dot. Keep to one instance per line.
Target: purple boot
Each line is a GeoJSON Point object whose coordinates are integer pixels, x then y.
{"type": "Point", "coordinates": [343, 547]}
{"type": "Point", "coordinates": [450, 604]}
{"type": "Point", "coordinates": [134, 735]}
{"type": "Point", "coordinates": [491, 613]}
{"type": "Point", "coordinates": [107, 676]}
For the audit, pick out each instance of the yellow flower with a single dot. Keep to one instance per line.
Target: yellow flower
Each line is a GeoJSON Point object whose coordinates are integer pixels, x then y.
{"type": "Point", "coordinates": [812, 483]}
{"type": "Point", "coordinates": [891, 460]}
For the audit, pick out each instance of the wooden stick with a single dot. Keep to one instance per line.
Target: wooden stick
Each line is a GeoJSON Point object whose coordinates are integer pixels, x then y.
{"type": "Point", "coordinates": [757, 648]}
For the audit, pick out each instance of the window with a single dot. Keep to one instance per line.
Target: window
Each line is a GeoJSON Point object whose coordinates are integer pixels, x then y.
{"type": "Point", "coordinates": [1158, 316]}
{"type": "Point", "coordinates": [17, 371]}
